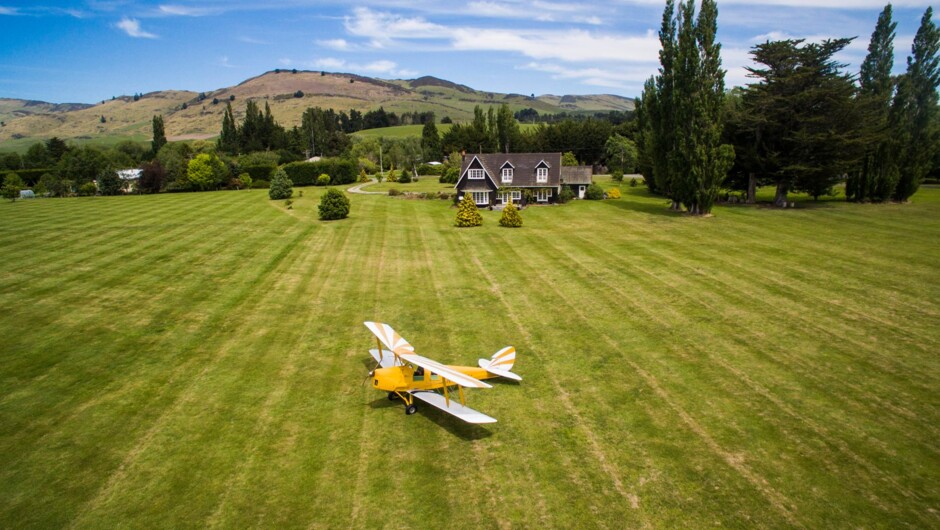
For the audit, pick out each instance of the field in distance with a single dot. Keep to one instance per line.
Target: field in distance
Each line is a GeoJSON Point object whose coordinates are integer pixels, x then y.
{"type": "Point", "coordinates": [197, 359]}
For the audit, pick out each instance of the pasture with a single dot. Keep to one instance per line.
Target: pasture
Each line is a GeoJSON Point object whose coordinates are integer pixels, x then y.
{"type": "Point", "coordinates": [196, 360]}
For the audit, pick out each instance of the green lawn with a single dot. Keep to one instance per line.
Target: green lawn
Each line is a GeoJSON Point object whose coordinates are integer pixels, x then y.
{"type": "Point", "coordinates": [196, 360]}
{"type": "Point", "coordinates": [426, 183]}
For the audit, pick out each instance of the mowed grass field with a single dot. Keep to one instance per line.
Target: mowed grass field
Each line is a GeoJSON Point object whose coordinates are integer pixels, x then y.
{"type": "Point", "coordinates": [197, 360]}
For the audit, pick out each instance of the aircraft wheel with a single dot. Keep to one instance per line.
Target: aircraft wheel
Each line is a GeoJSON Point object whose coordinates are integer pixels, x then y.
{"type": "Point", "coordinates": [411, 409]}
{"type": "Point", "coordinates": [392, 396]}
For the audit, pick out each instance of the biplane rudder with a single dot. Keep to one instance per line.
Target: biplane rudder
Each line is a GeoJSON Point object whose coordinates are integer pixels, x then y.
{"type": "Point", "coordinates": [501, 363]}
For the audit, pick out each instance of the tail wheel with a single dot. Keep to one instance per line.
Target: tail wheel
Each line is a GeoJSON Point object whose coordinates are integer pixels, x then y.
{"type": "Point", "coordinates": [411, 409]}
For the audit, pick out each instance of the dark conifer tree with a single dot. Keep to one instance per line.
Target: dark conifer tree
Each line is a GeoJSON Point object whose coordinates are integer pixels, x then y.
{"type": "Point", "coordinates": [228, 139]}
{"type": "Point", "coordinates": [159, 136]}
{"type": "Point", "coordinates": [915, 108]}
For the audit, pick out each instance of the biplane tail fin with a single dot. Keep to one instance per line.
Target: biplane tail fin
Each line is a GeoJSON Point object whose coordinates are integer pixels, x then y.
{"type": "Point", "coordinates": [501, 363]}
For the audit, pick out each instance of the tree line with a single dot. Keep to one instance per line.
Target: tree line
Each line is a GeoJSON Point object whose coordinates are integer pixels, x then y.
{"type": "Point", "coordinates": [805, 125]}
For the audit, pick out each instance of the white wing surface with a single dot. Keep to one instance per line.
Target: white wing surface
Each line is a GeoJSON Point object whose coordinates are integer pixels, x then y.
{"type": "Point", "coordinates": [444, 371]}
{"type": "Point", "coordinates": [385, 359]}
{"type": "Point", "coordinates": [390, 338]}
{"type": "Point", "coordinates": [456, 409]}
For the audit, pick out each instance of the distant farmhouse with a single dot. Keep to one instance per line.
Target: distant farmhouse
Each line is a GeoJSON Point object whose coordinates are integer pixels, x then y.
{"type": "Point", "coordinates": [496, 179]}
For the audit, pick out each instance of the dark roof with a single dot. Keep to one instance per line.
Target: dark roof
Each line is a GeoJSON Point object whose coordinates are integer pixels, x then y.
{"type": "Point", "coordinates": [524, 165]}
{"type": "Point", "coordinates": [576, 174]}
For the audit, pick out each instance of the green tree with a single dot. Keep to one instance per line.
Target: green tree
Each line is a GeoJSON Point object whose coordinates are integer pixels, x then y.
{"type": "Point", "coordinates": [644, 135]}
{"type": "Point", "coordinates": [205, 172]}
{"type": "Point", "coordinates": [467, 212]}
{"type": "Point", "coordinates": [280, 186]}
{"type": "Point", "coordinates": [12, 185]}
{"type": "Point", "coordinates": [323, 180]}
{"type": "Point", "coordinates": [430, 141]}
{"type": "Point", "coordinates": [662, 109]}
{"type": "Point", "coordinates": [38, 157]}
{"type": "Point", "coordinates": [507, 129]}
{"type": "Point", "coordinates": [510, 217]}
{"type": "Point", "coordinates": [803, 115]}
{"type": "Point", "coordinates": [621, 154]}
{"type": "Point", "coordinates": [568, 159]}
{"type": "Point", "coordinates": [876, 179]}
{"type": "Point", "coordinates": [915, 108]}
{"type": "Point", "coordinates": [228, 138]}
{"type": "Point", "coordinates": [152, 177]}
{"type": "Point", "coordinates": [56, 147]}
{"type": "Point", "coordinates": [333, 205]}
{"type": "Point", "coordinates": [82, 165]}
{"type": "Point", "coordinates": [109, 183]}
{"type": "Point", "coordinates": [159, 135]}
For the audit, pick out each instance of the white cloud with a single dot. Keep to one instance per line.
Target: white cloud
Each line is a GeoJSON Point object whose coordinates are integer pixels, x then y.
{"type": "Point", "coordinates": [252, 40]}
{"type": "Point", "coordinates": [224, 62]}
{"type": "Point", "coordinates": [383, 27]}
{"type": "Point", "coordinates": [329, 63]}
{"type": "Point", "coordinates": [620, 77]}
{"type": "Point", "coordinates": [380, 67]}
{"type": "Point", "coordinates": [8, 11]}
{"type": "Point", "coordinates": [565, 45]}
{"type": "Point", "coordinates": [336, 44]}
{"type": "Point", "coordinates": [285, 61]}
{"type": "Point", "coordinates": [132, 27]}
{"type": "Point", "coordinates": [184, 11]}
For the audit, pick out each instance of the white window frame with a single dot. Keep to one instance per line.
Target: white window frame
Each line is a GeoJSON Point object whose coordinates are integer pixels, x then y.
{"type": "Point", "coordinates": [515, 195]}
{"type": "Point", "coordinates": [543, 194]}
{"type": "Point", "coordinates": [541, 174]}
{"type": "Point", "coordinates": [475, 174]}
{"type": "Point", "coordinates": [478, 195]}
{"type": "Point", "coordinates": [507, 175]}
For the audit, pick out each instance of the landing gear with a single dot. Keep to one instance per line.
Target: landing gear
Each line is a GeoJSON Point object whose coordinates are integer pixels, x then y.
{"type": "Point", "coordinates": [411, 409]}
{"type": "Point", "coordinates": [392, 396]}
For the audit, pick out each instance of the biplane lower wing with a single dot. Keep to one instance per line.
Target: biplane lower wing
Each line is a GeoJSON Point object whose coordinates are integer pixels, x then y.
{"type": "Point", "coordinates": [454, 408]}
{"type": "Point", "coordinates": [385, 359]}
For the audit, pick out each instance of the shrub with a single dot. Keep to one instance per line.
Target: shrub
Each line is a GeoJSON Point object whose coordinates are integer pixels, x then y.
{"type": "Point", "coordinates": [617, 176]}
{"type": "Point", "coordinates": [404, 177]}
{"type": "Point", "coordinates": [566, 194]}
{"type": "Point", "coordinates": [260, 184]}
{"type": "Point", "coordinates": [633, 183]}
{"type": "Point", "coordinates": [258, 171]}
{"type": "Point", "coordinates": [394, 192]}
{"type": "Point", "coordinates": [427, 169]}
{"type": "Point", "coordinates": [12, 184]}
{"type": "Point", "coordinates": [109, 183]}
{"type": "Point", "coordinates": [362, 176]}
{"type": "Point", "coordinates": [323, 180]}
{"type": "Point", "coordinates": [510, 217]}
{"type": "Point", "coordinates": [443, 195]}
{"type": "Point", "coordinates": [613, 193]}
{"type": "Point", "coordinates": [333, 205]}
{"type": "Point", "coordinates": [450, 176]}
{"type": "Point", "coordinates": [391, 176]}
{"type": "Point", "coordinates": [594, 193]}
{"type": "Point", "coordinates": [467, 213]}
{"type": "Point", "coordinates": [280, 186]}
{"type": "Point", "coordinates": [87, 189]}
{"type": "Point", "coordinates": [246, 180]}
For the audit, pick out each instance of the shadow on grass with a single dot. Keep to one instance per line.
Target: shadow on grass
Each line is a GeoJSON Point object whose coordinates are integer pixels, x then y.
{"type": "Point", "coordinates": [456, 427]}
{"type": "Point", "coordinates": [648, 208]}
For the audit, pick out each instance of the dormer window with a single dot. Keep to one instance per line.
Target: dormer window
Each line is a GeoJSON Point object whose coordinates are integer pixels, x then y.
{"type": "Point", "coordinates": [541, 174]}
{"type": "Point", "coordinates": [507, 175]}
{"type": "Point", "coordinates": [475, 174]}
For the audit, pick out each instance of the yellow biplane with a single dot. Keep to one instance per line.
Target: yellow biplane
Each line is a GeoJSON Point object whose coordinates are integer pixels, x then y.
{"type": "Point", "coordinates": [406, 375]}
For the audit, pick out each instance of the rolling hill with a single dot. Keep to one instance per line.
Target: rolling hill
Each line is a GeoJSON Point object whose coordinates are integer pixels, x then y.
{"type": "Point", "coordinates": [191, 115]}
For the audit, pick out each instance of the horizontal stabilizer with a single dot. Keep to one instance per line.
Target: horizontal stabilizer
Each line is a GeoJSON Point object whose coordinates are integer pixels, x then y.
{"type": "Point", "coordinates": [454, 408]}
{"type": "Point", "coordinates": [385, 360]}
{"type": "Point", "coordinates": [496, 371]}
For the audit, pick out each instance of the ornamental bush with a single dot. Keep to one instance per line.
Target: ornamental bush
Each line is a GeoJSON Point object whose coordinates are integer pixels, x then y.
{"type": "Point", "coordinates": [323, 180]}
{"type": "Point", "coordinates": [613, 193]}
{"type": "Point", "coordinates": [566, 194]}
{"type": "Point", "coordinates": [511, 217]}
{"type": "Point", "coordinates": [467, 213]}
{"type": "Point", "coordinates": [333, 205]}
{"type": "Point", "coordinates": [594, 193]}
{"type": "Point", "coordinates": [12, 184]}
{"type": "Point", "coordinates": [280, 186]}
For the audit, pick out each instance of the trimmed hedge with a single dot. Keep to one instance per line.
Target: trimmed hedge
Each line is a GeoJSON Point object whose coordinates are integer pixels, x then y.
{"type": "Point", "coordinates": [306, 173]}
{"type": "Point", "coordinates": [259, 172]}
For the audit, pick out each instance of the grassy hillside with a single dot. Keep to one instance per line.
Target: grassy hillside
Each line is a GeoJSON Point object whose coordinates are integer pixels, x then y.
{"type": "Point", "coordinates": [197, 360]}
{"type": "Point", "coordinates": [125, 117]}
{"type": "Point", "coordinates": [405, 131]}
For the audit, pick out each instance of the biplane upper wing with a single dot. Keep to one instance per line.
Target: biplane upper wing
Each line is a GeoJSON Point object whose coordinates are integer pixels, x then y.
{"type": "Point", "coordinates": [443, 370]}
{"type": "Point", "coordinates": [452, 407]}
{"type": "Point", "coordinates": [390, 338]}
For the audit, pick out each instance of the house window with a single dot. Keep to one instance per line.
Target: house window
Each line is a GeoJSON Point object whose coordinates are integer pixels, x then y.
{"type": "Point", "coordinates": [507, 175]}
{"type": "Point", "coordinates": [541, 174]}
{"type": "Point", "coordinates": [506, 196]}
{"type": "Point", "coordinates": [481, 197]}
{"type": "Point", "coordinates": [476, 174]}
{"type": "Point", "coordinates": [543, 194]}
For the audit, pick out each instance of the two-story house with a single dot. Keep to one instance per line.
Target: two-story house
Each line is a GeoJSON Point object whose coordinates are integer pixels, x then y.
{"type": "Point", "coordinates": [497, 178]}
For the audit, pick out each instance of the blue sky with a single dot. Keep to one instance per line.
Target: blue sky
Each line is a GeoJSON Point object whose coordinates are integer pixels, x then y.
{"type": "Point", "coordinates": [92, 50]}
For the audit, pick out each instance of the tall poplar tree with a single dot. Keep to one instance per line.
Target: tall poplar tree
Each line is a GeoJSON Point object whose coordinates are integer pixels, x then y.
{"type": "Point", "coordinates": [876, 178]}
{"type": "Point", "coordinates": [228, 139]}
{"type": "Point", "coordinates": [661, 107]}
{"type": "Point", "coordinates": [430, 141]}
{"type": "Point", "coordinates": [915, 108]}
{"type": "Point", "coordinates": [159, 135]}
